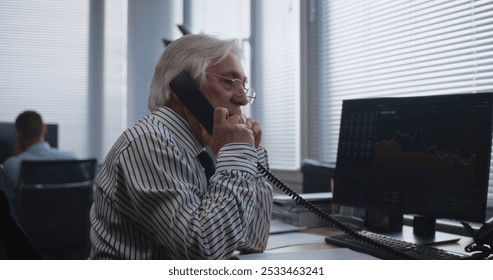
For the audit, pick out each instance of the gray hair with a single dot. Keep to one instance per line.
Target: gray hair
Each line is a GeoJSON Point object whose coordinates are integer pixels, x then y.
{"type": "Point", "coordinates": [190, 53]}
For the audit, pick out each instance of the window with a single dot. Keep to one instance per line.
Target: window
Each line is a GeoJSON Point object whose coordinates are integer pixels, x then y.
{"type": "Point", "coordinates": [276, 77]}
{"type": "Point", "coordinates": [394, 48]}
{"type": "Point", "coordinates": [44, 58]}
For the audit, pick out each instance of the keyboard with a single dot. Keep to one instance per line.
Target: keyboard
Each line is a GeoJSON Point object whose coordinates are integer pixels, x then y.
{"type": "Point", "coordinates": [406, 250]}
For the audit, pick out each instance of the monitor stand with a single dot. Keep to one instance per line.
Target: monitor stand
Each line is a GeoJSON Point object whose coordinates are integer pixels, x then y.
{"type": "Point", "coordinates": [408, 235]}
{"type": "Point", "coordinates": [422, 232]}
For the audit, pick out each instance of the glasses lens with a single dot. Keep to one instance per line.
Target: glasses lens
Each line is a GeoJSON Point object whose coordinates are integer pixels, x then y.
{"type": "Point", "coordinates": [239, 85]}
{"type": "Point", "coordinates": [249, 92]}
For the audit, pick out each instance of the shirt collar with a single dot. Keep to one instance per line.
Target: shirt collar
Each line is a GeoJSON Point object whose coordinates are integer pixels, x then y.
{"type": "Point", "coordinates": [179, 127]}
{"type": "Point", "coordinates": [39, 146]}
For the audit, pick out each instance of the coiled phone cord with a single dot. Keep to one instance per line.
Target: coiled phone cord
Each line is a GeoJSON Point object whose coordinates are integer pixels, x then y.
{"type": "Point", "coordinates": [323, 215]}
{"type": "Point", "coordinates": [482, 250]}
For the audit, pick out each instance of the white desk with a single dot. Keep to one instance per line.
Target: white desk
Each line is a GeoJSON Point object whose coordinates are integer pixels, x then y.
{"type": "Point", "coordinates": [295, 243]}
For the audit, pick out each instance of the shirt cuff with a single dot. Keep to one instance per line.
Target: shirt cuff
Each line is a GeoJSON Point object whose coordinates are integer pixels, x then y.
{"type": "Point", "coordinates": [237, 156]}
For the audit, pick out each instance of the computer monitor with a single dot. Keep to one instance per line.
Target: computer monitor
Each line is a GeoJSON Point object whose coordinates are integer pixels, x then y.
{"type": "Point", "coordinates": [425, 156]}
{"type": "Point", "coordinates": [8, 138]}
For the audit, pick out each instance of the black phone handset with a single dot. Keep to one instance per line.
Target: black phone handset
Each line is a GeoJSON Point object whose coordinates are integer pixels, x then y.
{"type": "Point", "coordinates": [184, 87]}
{"type": "Point", "coordinates": [482, 240]}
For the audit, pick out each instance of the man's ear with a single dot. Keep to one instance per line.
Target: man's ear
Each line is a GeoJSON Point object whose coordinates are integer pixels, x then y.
{"type": "Point", "coordinates": [173, 97]}
{"type": "Point", "coordinates": [175, 104]}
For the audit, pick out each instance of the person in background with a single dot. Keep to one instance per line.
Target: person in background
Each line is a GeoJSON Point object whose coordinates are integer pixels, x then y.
{"type": "Point", "coordinates": [32, 146]}
{"type": "Point", "coordinates": [153, 198]}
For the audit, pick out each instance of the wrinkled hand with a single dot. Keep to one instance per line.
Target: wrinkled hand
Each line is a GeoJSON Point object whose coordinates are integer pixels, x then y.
{"type": "Point", "coordinates": [256, 129]}
{"type": "Point", "coordinates": [234, 129]}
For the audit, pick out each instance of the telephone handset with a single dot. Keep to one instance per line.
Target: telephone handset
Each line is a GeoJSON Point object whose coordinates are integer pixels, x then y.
{"type": "Point", "coordinates": [184, 87]}
{"type": "Point", "coordinates": [482, 240]}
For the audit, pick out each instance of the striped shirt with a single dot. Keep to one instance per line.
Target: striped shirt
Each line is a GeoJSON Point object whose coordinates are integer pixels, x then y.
{"type": "Point", "coordinates": [153, 200]}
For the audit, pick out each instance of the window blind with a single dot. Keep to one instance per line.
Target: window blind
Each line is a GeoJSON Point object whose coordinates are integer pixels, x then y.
{"type": "Point", "coordinates": [397, 48]}
{"type": "Point", "coordinates": [44, 59]}
{"type": "Point", "coordinates": [276, 28]}
{"type": "Point", "coordinates": [44, 49]}
{"type": "Point", "coordinates": [115, 72]}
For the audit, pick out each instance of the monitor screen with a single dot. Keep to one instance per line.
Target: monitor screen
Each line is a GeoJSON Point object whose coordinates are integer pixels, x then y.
{"type": "Point", "coordinates": [427, 156]}
{"type": "Point", "coordinates": [8, 138]}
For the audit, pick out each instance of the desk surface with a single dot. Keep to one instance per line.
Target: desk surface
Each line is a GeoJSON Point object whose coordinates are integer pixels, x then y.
{"type": "Point", "coordinates": [293, 243]}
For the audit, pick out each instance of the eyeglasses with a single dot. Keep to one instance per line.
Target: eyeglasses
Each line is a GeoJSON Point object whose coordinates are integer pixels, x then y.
{"type": "Point", "coordinates": [237, 84]}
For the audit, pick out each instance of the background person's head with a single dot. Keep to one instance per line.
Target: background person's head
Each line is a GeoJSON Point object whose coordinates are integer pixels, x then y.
{"type": "Point", "coordinates": [30, 128]}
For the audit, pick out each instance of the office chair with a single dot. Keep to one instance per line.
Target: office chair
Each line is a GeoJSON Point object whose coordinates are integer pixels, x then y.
{"type": "Point", "coordinates": [52, 203]}
{"type": "Point", "coordinates": [14, 243]}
